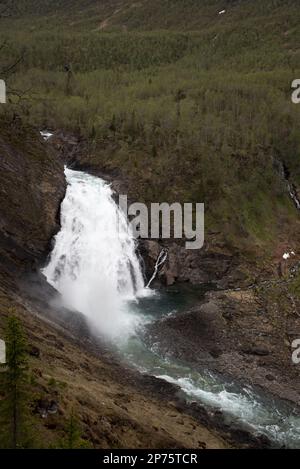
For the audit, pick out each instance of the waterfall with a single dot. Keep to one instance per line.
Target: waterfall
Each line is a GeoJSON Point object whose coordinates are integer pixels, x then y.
{"type": "Point", "coordinates": [95, 268]}
{"type": "Point", "coordinates": [94, 264]}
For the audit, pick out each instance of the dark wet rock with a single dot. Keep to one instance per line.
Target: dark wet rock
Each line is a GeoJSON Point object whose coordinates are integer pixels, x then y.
{"type": "Point", "coordinates": [259, 351]}
{"type": "Point", "coordinates": [199, 330]}
{"type": "Point", "coordinates": [45, 407]}
{"type": "Point", "coordinates": [32, 187]}
{"type": "Point", "coordinates": [194, 266]}
{"type": "Point", "coordinates": [225, 334]}
{"type": "Point", "coordinates": [240, 437]}
{"type": "Point", "coordinates": [210, 335]}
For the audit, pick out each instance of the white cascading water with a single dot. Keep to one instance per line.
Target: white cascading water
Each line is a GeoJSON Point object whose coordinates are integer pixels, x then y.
{"type": "Point", "coordinates": [163, 255]}
{"type": "Point", "coordinates": [94, 264]}
{"type": "Point", "coordinates": [95, 268]}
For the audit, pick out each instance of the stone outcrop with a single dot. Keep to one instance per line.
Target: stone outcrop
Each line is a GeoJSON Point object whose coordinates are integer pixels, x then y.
{"type": "Point", "coordinates": [32, 185]}
{"type": "Point", "coordinates": [240, 334]}
{"type": "Point", "coordinates": [117, 407]}
{"type": "Point", "coordinates": [211, 264]}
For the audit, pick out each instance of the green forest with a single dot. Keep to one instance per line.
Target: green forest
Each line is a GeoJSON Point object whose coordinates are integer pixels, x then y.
{"type": "Point", "coordinates": [108, 342]}
{"type": "Point", "coordinates": [188, 103]}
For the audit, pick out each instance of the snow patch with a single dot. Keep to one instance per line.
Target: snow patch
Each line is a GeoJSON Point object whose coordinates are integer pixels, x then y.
{"type": "Point", "coordinates": [46, 134]}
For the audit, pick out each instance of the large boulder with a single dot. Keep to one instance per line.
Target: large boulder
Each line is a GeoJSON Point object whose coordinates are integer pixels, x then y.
{"type": "Point", "coordinates": [239, 334]}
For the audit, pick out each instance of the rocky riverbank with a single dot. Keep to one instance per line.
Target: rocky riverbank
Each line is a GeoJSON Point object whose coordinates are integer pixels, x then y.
{"type": "Point", "coordinates": [245, 335]}
{"type": "Point", "coordinates": [245, 330]}
{"type": "Point", "coordinates": [71, 368]}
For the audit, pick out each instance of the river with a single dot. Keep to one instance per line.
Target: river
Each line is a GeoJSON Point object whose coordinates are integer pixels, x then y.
{"type": "Point", "coordinates": [95, 267]}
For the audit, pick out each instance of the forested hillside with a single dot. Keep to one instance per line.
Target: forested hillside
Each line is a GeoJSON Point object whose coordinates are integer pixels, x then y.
{"type": "Point", "coordinates": [147, 14]}
{"type": "Point", "coordinates": [170, 101]}
{"type": "Point", "coordinates": [191, 104]}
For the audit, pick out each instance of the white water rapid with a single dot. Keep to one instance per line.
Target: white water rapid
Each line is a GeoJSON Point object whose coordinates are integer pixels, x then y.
{"type": "Point", "coordinates": [95, 268]}
{"type": "Point", "coordinates": [94, 264]}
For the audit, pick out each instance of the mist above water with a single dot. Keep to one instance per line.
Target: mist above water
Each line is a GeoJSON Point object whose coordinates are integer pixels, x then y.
{"type": "Point", "coordinates": [95, 268]}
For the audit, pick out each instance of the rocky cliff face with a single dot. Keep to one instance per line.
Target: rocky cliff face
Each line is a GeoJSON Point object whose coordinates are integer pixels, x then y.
{"type": "Point", "coordinates": [212, 264]}
{"type": "Point", "coordinates": [32, 186]}
{"type": "Point", "coordinates": [113, 412]}
{"type": "Point", "coordinates": [215, 263]}
{"type": "Point", "coordinates": [234, 333]}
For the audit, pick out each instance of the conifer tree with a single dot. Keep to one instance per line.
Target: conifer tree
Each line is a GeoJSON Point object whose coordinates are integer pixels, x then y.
{"type": "Point", "coordinates": [73, 439]}
{"type": "Point", "coordinates": [14, 390]}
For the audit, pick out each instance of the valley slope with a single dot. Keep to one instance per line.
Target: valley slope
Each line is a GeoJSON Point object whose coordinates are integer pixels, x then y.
{"type": "Point", "coordinates": [170, 101]}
